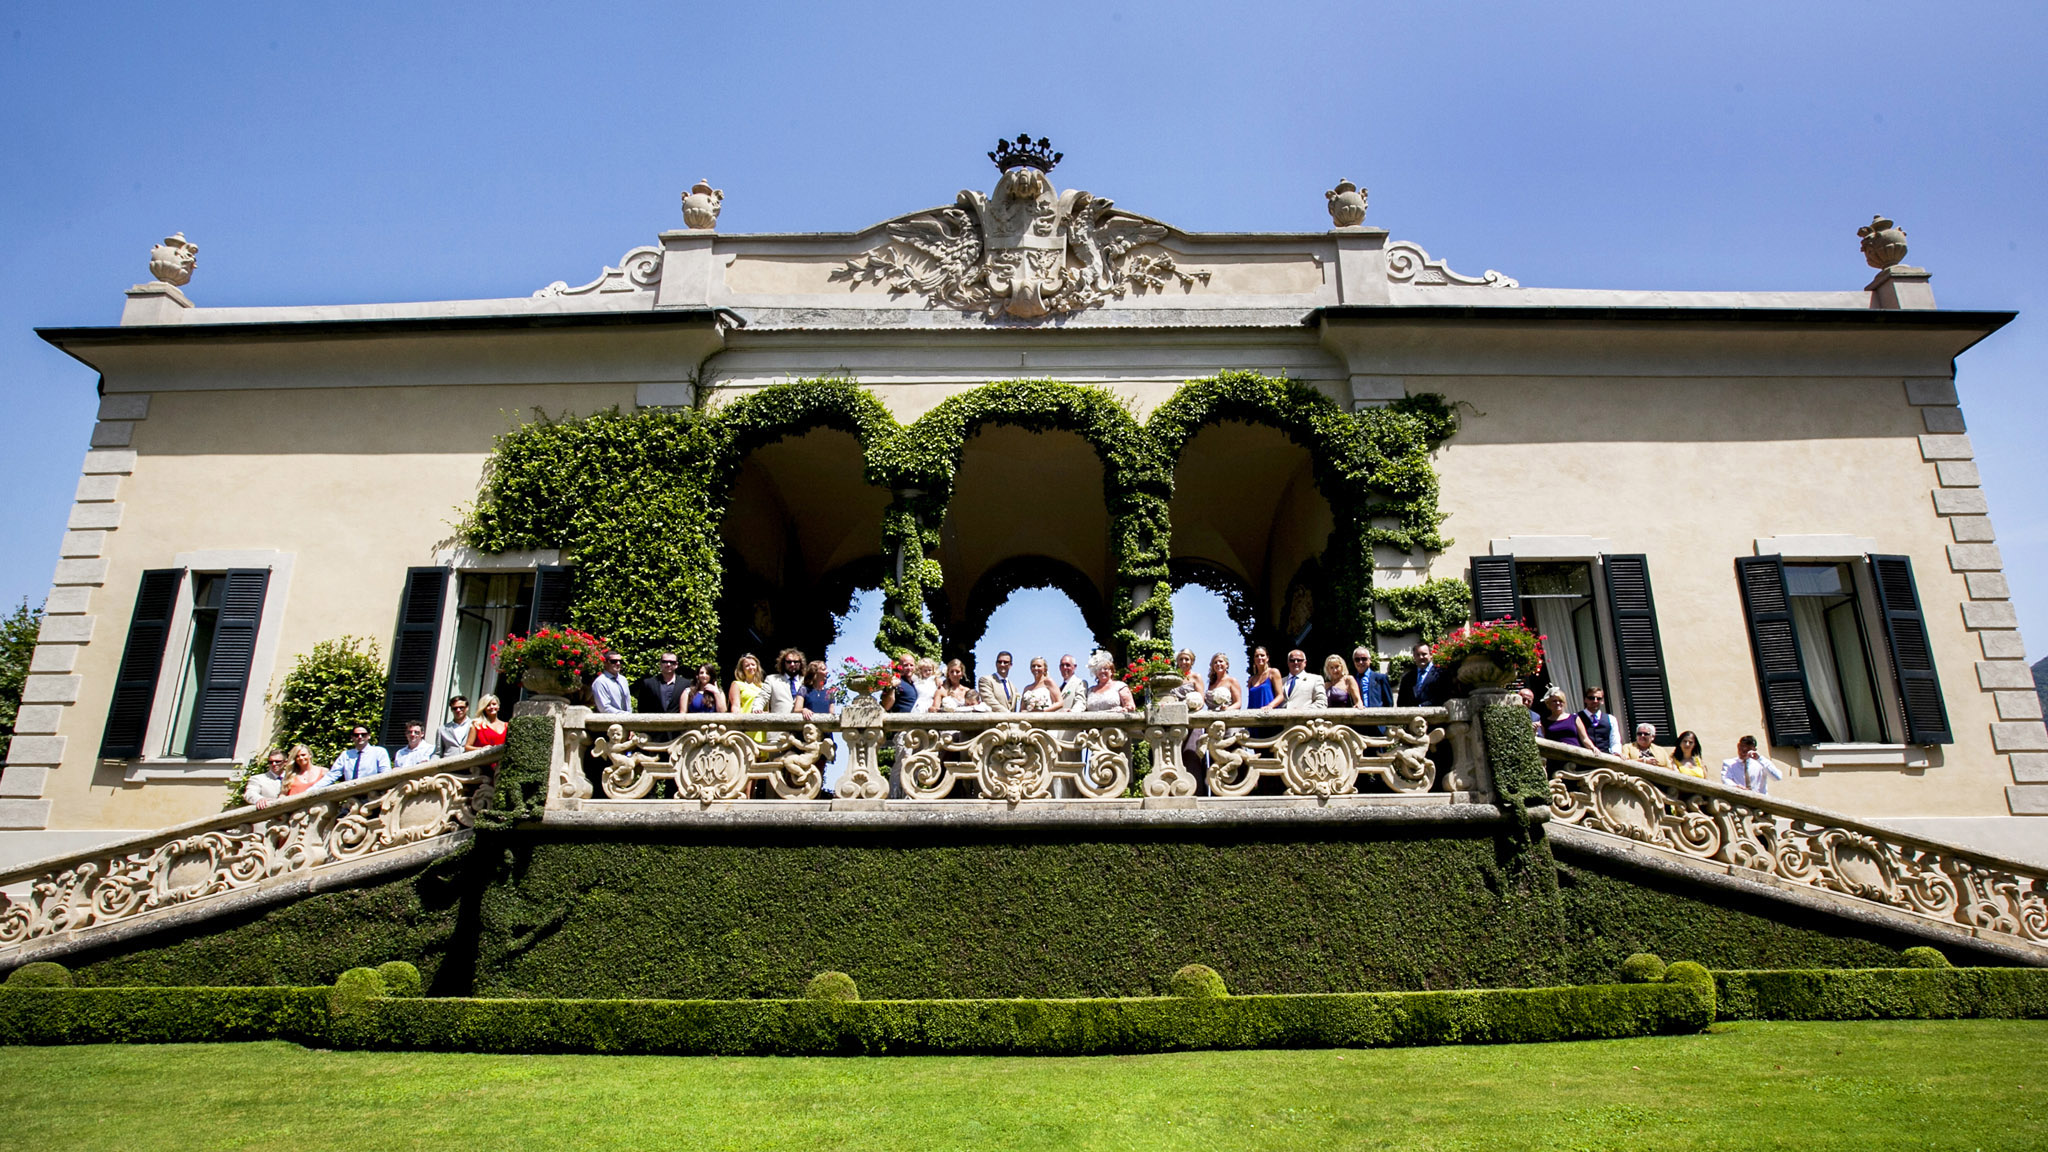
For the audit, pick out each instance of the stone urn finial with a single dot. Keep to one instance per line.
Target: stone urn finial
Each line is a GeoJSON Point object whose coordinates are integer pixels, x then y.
{"type": "Point", "coordinates": [1347, 205]}
{"type": "Point", "coordinates": [172, 261]}
{"type": "Point", "coordinates": [701, 204]}
{"type": "Point", "coordinates": [1884, 243]}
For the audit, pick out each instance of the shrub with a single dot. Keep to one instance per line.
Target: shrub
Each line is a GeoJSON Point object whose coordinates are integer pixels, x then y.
{"type": "Point", "coordinates": [833, 986]}
{"type": "Point", "coordinates": [40, 974]}
{"type": "Point", "coordinates": [333, 688]}
{"type": "Point", "coordinates": [400, 978]}
{"type": "Point", "coordinates": [1884, 994]}
{"type": "Point", "coordinates": [1924, 957]}
{"type": "Point", "coordinates": [1198, 981]}
{"type": "Point", "coordinates": [1642, 968]}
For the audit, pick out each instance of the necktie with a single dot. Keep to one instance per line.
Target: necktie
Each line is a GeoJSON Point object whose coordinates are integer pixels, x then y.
{"type": "Point", "coordinates": [1290, 687]}
{"type": "Point", "coordinates": [1005, 682]}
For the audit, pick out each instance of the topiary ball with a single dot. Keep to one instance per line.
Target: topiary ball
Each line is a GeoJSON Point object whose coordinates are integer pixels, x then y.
{"type": "Point", "coordinates": [1921, 957]}
{"type": "Point", "coordinates": [1687, 972]}
{"type": "Point", "coordinates": [1198, 981]}
{"type": "Point", "coordinates": [43, 974]}
{"type": "Point", "coordinates": [400, 978]}
{"type": "Point", "coordinates": [1642, 968]}
{"type": "Point", "coordinates": [834, 986]}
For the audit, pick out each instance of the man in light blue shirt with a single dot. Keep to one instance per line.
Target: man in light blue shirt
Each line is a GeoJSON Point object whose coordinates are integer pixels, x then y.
{"type": "Point", "coordinates": [358, 763]}
{"type": "Point", "coordinates": [416, 750]}
{"type": "Point", "coordinates": [610, 692]}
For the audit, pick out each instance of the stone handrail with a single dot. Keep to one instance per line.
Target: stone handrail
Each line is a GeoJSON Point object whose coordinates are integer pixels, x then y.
{"type": "Point", "coordinates": [1010, 756]}
{"type": "Point", "coordinates": [1796, 843]}
{"type": "Point", "coordinates": [146, 878]}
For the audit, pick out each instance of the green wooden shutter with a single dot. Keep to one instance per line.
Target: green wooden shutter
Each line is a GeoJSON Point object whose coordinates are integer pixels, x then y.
{"type": "Point", "coordinates": [1496, 593]}
{"type": "Point", "coordinates": [1638, 646]}
{"type": "Point", "coordinates": [142, 662]}
{"type": "Point", "coordinates": [553, 588]}
{"type": "Point", "coordinates": [411, 682]}
{"type": "Point", "coordinates": [218, 716]}
{"type": "Point", "coordinates": [1905, 629]}
{"type": "Point", "coordinates": [1774, 644]}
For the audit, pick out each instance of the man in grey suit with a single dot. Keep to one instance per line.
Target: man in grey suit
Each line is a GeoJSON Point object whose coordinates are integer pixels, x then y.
{"type": "Point", "coordinates": [786, 684]}
{"type": "Point", "coordinates": [996, 690]}
{"type": "Point", "coordinates": [1301, 688]}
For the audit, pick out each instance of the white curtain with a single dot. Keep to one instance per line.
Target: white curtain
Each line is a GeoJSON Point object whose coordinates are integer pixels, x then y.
{"type": "Point", "coordinates": [1817, 657]}
{"type": "Point", "coordinates": [1561, 649]}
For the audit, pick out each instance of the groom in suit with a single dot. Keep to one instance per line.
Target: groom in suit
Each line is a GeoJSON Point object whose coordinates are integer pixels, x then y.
{"type": "Point", "coordinates": [1301, 688]}
{"type": "Point", "coordinates": [996, 690]}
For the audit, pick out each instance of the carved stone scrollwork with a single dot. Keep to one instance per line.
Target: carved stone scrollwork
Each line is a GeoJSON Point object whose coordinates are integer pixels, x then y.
{"type": "Point", "coordinates": [1015, 762]}
{"type": "Point", "coordinates": [1707, 823]}
{"type": "Point", "coordinates": [1407, 263]}
{"type": "Point", "coordinates": [1166, 730]}
{"type": "Point", "coordinates": [1320, 757]}
{"type": "Point", "coordinates": [713, 762]}
{"type": "Point", "coordinates": [860, 725]}
{"type": "Point", "coordinates": [639, 271]}
{"type": "Point", "coordinates": [102, 890]}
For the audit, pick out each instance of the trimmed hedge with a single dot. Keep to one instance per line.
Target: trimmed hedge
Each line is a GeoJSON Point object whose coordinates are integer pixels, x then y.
{"type": "Point", "coordinates": [1884, 994]}
{"type": "Point", "coordinates": [162, 1015]}
{"type": "Point", "coordinates": [355, 1015]}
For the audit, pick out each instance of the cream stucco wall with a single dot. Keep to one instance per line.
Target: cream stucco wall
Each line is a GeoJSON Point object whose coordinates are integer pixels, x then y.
{"type": "Point", "coordinates": [1691, 473]}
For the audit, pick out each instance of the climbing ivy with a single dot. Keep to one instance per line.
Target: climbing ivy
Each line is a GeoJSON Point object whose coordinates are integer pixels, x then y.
{"type": "Point", "coordinates": [635, 501]}
{"type": "Point", "coordinates": [1429, 609]}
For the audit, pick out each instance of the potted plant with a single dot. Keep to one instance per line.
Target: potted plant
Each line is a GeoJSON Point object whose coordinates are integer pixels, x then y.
{"type": "Point", "coordinates": [864, 679]}
{"type": "Point", "coordinates": [553, 661]}
{"type": "Point", "coordinates": [1155, 674]}
{"type": "Point", "coordinates": [1491, 655]}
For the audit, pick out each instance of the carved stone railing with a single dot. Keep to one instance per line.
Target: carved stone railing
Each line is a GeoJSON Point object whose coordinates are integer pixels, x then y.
{"type": "Point", "coordinates": [1014, 757]}
{"type": "Point", "coordinates": [1792, 844]}
{"type": "Point", "coordinates": [181, 870]}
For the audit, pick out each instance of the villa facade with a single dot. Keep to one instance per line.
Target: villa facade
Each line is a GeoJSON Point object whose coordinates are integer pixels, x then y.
{"type": "Point", "coordinates": [1738, 512]}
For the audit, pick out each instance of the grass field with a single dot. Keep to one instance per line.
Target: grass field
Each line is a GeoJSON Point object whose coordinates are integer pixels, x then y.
{"type": "Point", "coordinates": [1864, 1086]}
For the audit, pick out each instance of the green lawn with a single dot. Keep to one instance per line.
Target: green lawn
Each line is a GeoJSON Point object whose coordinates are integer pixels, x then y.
{"type": "Point", "coordinates": [1863, 1086]}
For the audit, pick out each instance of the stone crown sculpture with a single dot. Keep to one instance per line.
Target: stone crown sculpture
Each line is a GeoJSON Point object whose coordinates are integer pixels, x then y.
{"type": "Point", "coordinates": [1884, 243]}
{"type": "Point", "coordinates": [172, 261]}
{"type": "Point", "coordinates": [1022, 153]}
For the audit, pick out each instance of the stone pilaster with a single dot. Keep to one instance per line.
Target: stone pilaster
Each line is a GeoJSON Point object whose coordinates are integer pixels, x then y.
{"type": "Point", "coordinates": [69, 619]}
{"type": "Point", "coordinates": [2018, 733]}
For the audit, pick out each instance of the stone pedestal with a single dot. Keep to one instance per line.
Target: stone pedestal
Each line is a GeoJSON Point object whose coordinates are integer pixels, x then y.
{"type": "Point", "coordinates": [1901, 286]}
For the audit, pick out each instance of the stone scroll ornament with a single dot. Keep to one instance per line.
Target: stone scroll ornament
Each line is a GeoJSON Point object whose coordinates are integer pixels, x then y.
{"type": "Point", "coordinates": [105, 890]}
{"type": "Point", "coordinates": [1014, 762]}
{"type": "Point", "coordinates": [713, 763]}
{"type": "Point", "coordinates": [1023, 252]}
{"type": "Point", "coordinates": [1642, 806]}
{"type": "Point", "coordinates": [1320, 757]}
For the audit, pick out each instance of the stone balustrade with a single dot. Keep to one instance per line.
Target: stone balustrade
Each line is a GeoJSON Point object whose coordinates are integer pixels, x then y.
{"type": "Point", "coordinates": [195, 868]}
{"type": "Point", "coordinates": [1792, 844]}
{"type": "Point", "coordinates": [1015, 757]}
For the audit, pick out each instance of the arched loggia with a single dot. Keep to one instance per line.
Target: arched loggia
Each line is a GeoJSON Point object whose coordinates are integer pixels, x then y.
{"type": "Point", "coordinates": [802, 522]}
{"type": "Point", "coordinates": [1129, 534]}
{"type": "Point", "coordinates": [1017, 574]}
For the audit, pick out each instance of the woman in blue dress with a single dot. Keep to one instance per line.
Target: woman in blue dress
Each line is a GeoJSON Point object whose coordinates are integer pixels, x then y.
{"type": "Point", "coordinates": [1261, 688]}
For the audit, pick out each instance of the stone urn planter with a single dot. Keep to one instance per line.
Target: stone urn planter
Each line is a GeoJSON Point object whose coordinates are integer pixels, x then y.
{"type": "Point", "coordinates": [548, 681]}
{"type": "Point", "coordinates": [1161, 684]}
{"type": "Point", "coordinates": [1480, 672]}
{"type": "Point", "coordinates": [864, 685]}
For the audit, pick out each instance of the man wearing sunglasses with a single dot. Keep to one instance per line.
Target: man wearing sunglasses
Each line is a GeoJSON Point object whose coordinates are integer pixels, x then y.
{"type": "Point", "coordinates": [663, 691]}
{"type": "Point", "coordinates": [359, 762]}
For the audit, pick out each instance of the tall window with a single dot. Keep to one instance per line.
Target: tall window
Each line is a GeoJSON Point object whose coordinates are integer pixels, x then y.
{"type": "Point", "coordinates": [206, 590]}
{"type": "Point", "coordinates": [489, 606]}
{"type": "Point", "coordinates": [1557, 598]}
{"type": "Point", "coordinates": [1834, 652]}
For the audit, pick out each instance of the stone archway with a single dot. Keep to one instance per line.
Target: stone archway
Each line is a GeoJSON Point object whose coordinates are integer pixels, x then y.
{"type": "Point", "coordinates": [1017, 574]}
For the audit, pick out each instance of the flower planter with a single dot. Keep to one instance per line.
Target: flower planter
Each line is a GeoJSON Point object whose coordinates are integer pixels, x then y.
{"type": "Point", "coordinates": [548, 681]}
{"type": "Point", "coordinates": [1479, 671]}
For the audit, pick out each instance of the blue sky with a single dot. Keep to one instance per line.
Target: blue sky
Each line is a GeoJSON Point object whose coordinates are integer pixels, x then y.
{"type": "Point", "coordinates": [416, 151]}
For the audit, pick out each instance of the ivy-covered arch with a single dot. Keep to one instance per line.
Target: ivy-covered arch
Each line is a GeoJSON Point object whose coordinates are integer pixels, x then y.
{"type": "Point", "coordinates": [762, 417]}
{"type": "Point", "coordinates": [1240, 600]}
{"type": "Point", "coordinates": [1136, 489]}
{"type": "Point", "coordinates": [1372, 467]}
{"type": "Point", "coordinates": [1015, 575]}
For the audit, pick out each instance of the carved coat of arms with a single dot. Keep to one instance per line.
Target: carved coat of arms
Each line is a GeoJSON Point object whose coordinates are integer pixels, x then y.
{"type": "Point", "coordinates": [1023, 252]}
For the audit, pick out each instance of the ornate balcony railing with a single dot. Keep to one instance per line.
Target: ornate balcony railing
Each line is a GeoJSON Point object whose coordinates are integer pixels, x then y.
{"type": "Point", "coordinates": [1015, 757]}
{"type": "Point", "coordinates": [1794, 844]}
{"type": "Point", "coordinates": [151, 879]}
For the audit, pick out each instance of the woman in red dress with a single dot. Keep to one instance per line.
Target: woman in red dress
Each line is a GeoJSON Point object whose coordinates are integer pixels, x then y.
{"type": "Point", "coordinates": [488, 731]}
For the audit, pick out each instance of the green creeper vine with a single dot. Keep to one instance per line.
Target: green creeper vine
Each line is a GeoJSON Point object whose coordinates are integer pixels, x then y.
{"type": "Point", "coordinates": [634, 501]}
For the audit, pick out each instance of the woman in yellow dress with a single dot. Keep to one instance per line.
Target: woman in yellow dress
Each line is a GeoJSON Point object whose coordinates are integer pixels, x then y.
{"type": "Point", "coordinates": [749, 693]}
{"type": "Point", "coordinates": [1686, 758]}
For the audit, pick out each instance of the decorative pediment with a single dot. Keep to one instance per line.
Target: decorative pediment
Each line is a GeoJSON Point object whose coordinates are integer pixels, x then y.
{"type": "Point", "coordinates": [639, 271]}
{"type": "Point", "coordinates": [1407, 263]}
{"type": "Point", "coordinates": [1024, 252]}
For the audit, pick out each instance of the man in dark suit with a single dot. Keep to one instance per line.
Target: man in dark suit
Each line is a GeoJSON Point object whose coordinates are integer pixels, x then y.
{"type": "Point", "coordinates": [1420, 682]}
{"type": "Point", "coordinates": [1374, 689]}
{"type": "Point", "coordinates": [663, 691]}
